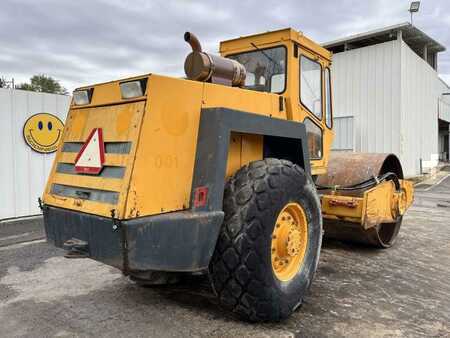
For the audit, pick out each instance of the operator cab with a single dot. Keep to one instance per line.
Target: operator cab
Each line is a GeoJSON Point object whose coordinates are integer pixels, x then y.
{"type": "Point", "coordinates": [287, 63]}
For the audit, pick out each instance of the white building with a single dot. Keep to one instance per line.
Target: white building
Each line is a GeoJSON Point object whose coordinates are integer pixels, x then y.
{"type": "Point", "coordinates": [24, 171]}
{"type": "Point", "coordinates": [388, 96]}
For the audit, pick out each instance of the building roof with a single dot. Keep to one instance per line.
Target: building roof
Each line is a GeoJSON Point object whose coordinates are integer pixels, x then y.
{"type": "Point", "coordinates": [413, 37]}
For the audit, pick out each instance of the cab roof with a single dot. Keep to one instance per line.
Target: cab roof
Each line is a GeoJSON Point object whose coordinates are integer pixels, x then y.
{"type": "Point", "coordinates": [268, 38]}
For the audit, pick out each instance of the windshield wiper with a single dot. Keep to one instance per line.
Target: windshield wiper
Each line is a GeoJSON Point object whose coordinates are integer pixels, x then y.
{"type": "Point", "coordinates": [264, 53]}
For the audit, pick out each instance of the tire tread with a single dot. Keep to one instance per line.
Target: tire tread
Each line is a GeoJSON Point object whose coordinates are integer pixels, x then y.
{"type": "Point", "coordinates": [240, 281]}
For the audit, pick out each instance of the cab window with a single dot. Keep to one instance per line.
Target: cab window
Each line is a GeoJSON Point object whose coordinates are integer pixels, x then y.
{"type": "Point", "coordinates": [266, 69]}
{"type": "Point", "coordinates": [328, 108]}
{"type": "Point", "coordinates": [311, 85]}
{"type": "Point", "coordinates": [314, 136]}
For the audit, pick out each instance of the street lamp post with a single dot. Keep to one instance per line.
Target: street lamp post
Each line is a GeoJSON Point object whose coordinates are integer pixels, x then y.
{"type": "Point", "coordinates": [414, 8]}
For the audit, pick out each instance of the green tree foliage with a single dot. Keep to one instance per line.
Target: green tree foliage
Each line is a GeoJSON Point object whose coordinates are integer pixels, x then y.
{"type": "Point", "coordinates": [44, 84]}
{"type": "Point", "coordinates": [2, 82]}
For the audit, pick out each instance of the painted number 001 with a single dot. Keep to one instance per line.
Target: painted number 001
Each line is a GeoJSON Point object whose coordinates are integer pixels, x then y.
{"type": "Point", "coordinates": [165, 161]}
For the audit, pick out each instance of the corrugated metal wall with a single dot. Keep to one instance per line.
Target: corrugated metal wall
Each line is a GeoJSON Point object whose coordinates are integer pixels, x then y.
{"type": "Point", "coordinates": [444, 102]}
{"type": "Point", "coordinates": [367, 87]}
{"type": "Point", "coordinates": [343, 128]}
{"type": "Point", "coordinates": [23, 172]}
{"type": "Point", "coordinates": [444, 110]}
{"type": "Point", "coordinates": [392, 95]}
{"type": "Point", "coordinates": [444, 115]}
{"type": "Point", "coordinates": [421, 90]}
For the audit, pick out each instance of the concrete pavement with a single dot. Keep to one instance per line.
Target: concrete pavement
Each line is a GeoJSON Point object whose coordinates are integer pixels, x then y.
{"type": "Point", "coordinates": [357, 292]}
{"type": "Point", "coordinates": [21, 230]}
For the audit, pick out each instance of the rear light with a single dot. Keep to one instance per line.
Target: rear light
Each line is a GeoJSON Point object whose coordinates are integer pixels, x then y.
{"type": "Point", "coordinates": [200, 197]}
{"type": "Point", "coordinates": [82, 97]}
{"type": "Point", "coordinates": [133, 89]}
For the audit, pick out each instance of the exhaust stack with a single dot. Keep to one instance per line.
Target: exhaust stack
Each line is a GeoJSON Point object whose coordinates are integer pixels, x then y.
{"type": "Point", "coordinates": [193, 41]}
{"type": "Point", "coordinates": [201, 66]}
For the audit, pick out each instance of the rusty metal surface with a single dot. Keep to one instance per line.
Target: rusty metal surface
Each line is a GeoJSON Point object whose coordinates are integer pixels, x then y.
{"type": "Point", "coordinates": [381, 236]}
{"type": "Point", "coordinates": [352, 204]}
{"type": "Point", "coordinates": [201, 66]}
{"type": "Point", "coordinates": [345, 168]}
{"type": "Point", "coordinates": [193, 41]}
{"type": "Point", "coordinates": [197, 66]}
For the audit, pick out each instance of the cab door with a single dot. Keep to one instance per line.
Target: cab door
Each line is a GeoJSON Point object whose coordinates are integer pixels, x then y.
{"type": "Point", "coordinates": [314, 107]}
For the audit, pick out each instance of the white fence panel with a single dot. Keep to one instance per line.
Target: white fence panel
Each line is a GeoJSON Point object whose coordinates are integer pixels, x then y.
{"type": "Point", "coordinates": [23, 172]}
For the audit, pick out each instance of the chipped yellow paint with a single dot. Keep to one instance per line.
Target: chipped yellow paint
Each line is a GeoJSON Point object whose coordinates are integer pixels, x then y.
{"type": "Point", "coordinates": [381, 204]}
{"type": "Point", "coordinates": [80, 122]}
{"type": "Point", "coordinates": [165, 158]}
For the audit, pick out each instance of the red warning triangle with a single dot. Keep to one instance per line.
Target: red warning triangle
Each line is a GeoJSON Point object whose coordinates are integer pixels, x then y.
{"type": "Point", "coordinates": [91, 157]}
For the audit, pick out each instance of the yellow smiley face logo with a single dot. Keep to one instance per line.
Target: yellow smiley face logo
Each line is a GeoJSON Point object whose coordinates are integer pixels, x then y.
{"type": "Point", "coordinates": [42, 132]}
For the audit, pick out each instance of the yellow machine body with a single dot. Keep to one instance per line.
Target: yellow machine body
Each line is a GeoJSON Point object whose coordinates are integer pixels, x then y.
{"type": "Point", "coordinates": [162, 128]}
{"type": "Point", "coordinates": [152, 143]}
{"type": "Point", "coordinates": [381, 204]}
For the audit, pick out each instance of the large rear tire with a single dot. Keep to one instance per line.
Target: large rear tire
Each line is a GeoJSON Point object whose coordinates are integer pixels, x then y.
{"type": "Point", "coordinates": [269, 245]}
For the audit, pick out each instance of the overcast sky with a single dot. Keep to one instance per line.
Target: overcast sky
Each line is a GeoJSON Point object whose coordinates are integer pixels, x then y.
{"type": "Point", "coordinates": [88, 41]}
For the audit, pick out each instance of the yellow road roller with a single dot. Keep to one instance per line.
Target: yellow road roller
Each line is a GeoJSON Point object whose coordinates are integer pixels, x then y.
{"type": "Point", "coordinates": [226, 172]}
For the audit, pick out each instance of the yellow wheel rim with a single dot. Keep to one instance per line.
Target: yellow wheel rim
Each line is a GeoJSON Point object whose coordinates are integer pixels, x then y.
{"type": "Point", "coordinates": [289, 241]}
